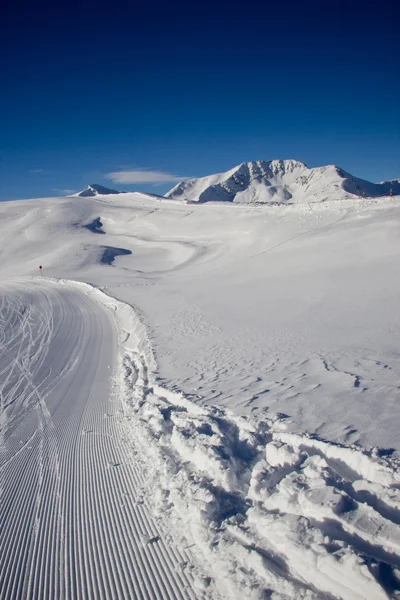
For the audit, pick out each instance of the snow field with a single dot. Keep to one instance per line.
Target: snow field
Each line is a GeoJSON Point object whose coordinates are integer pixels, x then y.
{"type": "Point", "coordinates": [277, 311]}
{"type": "Point", "coordinates": [264, 311]}
{"type": "Point", "coordinates": [262, 510]}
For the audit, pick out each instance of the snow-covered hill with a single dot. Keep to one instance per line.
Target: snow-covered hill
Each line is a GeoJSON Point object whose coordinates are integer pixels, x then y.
{"type": "Point", "coordinates": [94, 189]}
{"type": "Point", "coordinates": [279, 181]}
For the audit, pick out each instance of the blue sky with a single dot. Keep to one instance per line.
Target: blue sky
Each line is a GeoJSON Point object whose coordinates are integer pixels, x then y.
{"type": "Point", "coordinates": [179, 89]}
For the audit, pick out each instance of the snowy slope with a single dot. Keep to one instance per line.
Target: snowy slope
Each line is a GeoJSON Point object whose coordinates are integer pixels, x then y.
{"type": "Point", "coordinates": [242, 315]}
{"type": "Point", "coordinates": [261, 306]}
{"type": "Point", "coordinates": [275, 181]}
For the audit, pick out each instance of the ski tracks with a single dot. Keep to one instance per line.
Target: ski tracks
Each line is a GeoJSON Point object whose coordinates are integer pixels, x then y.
{"type": "Point", "coordinates": [73, 521]}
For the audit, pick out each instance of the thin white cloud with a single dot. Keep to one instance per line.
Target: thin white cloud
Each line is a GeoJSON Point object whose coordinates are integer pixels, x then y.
{"type": "Point", "coordinates": [36, 171]}
{"type": "Point", "coordinates": [63, 192]}
{"type": "Point", "coordinates": [142, 176]}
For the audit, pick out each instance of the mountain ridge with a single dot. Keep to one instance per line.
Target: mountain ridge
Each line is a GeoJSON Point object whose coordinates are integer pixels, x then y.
{"type": "Point", "coordinates": [269, 182]}
{"type": "Point", "coordinates": [279, 181]}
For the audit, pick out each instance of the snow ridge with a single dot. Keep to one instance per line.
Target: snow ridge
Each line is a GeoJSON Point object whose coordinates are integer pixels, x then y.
{"type": "Point", "coordinates": [263, 510]}
{"type": "Point", "coordinates": [279, 181]}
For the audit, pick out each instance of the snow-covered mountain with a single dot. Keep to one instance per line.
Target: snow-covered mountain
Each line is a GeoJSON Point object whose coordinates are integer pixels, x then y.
{"type": "Point", "coordinates": [94, 189]}
{"type": "Point", "coordinates": [277, 181]}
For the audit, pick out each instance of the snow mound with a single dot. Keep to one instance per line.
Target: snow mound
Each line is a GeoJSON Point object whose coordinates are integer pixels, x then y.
{"type": "Point", "coordinates": [267, 513]}
{"type": "Point", "coordinates": [279, 181]}
{"type": "Point", "coordinates": [96, 190]}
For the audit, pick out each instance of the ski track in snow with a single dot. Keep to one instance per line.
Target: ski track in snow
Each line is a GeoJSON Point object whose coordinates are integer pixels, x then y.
{"type": "Point", "coordinates": [73, 524]}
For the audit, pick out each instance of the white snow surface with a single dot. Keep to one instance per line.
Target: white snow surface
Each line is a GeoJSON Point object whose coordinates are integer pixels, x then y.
{"type": "Point", "coordinates": [279, 181]}
{"type": "Point", "coordinates": [215, 415]}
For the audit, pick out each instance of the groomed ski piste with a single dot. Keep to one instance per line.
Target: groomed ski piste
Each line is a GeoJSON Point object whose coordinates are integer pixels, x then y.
{"type": "Point", "coordinates": [116, 483]}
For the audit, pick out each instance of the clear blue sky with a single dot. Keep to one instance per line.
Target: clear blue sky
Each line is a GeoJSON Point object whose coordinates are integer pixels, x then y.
{"type": "Point", "coordinates": [196, 88]}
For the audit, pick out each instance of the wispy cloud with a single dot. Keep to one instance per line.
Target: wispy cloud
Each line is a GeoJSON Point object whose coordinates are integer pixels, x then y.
{"type": "Point", "coordinates": [142, 176]}
{"type": "Point", "coordinates": [63, 192]}
{"type": "Point", "coordinates": [36, 171]}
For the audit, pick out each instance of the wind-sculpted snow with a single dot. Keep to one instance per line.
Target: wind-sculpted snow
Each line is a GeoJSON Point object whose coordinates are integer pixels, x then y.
{"type": "Point", "coordinates": [74, 522]}
{"type": "Point", "coordinates": [266, 513]}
